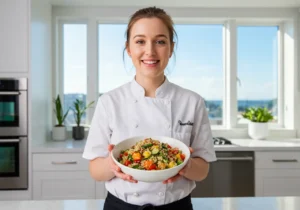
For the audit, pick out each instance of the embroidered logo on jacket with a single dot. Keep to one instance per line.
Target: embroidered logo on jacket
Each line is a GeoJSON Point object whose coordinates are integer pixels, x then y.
{"type": "Point", "coordinates": [187, 123]}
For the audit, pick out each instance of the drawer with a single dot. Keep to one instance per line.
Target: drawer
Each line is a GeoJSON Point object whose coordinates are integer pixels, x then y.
{"type": "Point", "coordinates": [59, 162]}
{"type": "Point", "coordinates": [286, 159]}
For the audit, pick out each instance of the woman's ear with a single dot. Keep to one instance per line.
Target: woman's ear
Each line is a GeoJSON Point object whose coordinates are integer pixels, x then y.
{"type": "Point", "coordinates": [127, 49]}
{"type": "Point", "coordinates": [172, 49]}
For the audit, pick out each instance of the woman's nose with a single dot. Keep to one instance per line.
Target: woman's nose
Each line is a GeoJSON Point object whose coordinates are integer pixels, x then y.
{"type": "Point", "coordinates": [150, 49]}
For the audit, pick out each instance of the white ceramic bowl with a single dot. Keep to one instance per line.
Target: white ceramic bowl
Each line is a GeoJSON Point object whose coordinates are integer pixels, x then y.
{"type": "Point", "coordinates": [153, 175]}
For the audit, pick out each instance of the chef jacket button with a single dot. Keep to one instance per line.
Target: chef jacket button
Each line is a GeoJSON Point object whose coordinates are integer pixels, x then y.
{"type": "Point", "coordinates": [136, 194]}
{"type": "Point", "coordinates": [161, 194]}
{"type": "Point", "coordinates": [135, 101]}
{"type": "Point", "coordinates": [136, 126]}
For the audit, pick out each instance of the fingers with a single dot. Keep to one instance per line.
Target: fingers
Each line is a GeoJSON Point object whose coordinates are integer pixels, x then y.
{"type": "Point", "coordinates": [172, 179]}
{"type": "Point", "coordinates": [117, 170]}
{"type": "Point", "coordinates": [125, 177]}
{"type": "Point", "coordinates": [191, 150]}
{"type": "Point", "coordinates": [110, 147]}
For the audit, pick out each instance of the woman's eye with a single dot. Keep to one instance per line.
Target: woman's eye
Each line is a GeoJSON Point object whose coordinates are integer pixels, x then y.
{"type": "Point", "coordinates": [161, 42]}
{"type": "Point", "coordinates": [140, 42]}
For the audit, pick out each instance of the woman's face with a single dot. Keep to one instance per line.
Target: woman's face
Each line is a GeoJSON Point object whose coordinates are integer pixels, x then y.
{"type": "Point", "coordinates": [149, 47]}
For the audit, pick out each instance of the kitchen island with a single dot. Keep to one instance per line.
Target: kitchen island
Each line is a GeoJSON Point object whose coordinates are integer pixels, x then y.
{"type": "Point", "coordinates": [243, 203]}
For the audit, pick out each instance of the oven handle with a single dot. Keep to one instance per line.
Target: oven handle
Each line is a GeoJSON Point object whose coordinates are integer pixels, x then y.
{"type": "Point", "coordinates": [9, 140]}
{"type": "Point", "coordinates": [64, 163]}
{"type": "Point", "coordinates": [10, 93]}
{"type": "Point", "coordinates": [248, 158]}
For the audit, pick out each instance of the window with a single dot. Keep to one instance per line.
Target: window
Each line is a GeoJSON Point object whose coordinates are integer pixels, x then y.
{"type": "Point", "coordinates": [199, 65]}
{"type": "Point", "coordinates": [113, 71]}
{"type": "Point", "coordinates": [74, 67]}
{"type": "Point", "coordinates": [257, 57]}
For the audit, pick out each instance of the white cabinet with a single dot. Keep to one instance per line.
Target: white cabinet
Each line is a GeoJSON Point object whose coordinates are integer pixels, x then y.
{"type": "Point", "coordinates": [63, 176]}
{"type": "Point", "coordinates": [14, 36]}
{"type": "Point", "coordinates": [277, 173]}
{"type": "Point", "coordinates": [55, 185]}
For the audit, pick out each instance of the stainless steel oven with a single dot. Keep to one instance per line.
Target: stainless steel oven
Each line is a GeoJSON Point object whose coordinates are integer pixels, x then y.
{"type": "Point", "coordinates": [232, 175]}
{"type": "Point", "coordinates": [13, 163]}
{"type": "Point", "coordinates": [13, 107]}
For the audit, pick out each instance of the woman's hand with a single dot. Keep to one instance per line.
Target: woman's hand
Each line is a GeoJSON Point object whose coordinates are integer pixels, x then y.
{"type": "Point", "coordinates": [182, 172]}
{"type": "Point", "coordinates": [116, 169]}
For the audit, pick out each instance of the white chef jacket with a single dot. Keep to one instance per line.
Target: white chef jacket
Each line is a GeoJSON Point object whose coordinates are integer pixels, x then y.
{"type": "Point", "coordinates": [174, 112]}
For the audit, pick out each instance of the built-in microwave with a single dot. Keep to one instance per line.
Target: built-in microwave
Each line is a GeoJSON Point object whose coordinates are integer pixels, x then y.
{"type": "Point", "coordinates": [13, 107]}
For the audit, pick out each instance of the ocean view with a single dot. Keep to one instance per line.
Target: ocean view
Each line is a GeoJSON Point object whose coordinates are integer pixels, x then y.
{"type": "Point", "coordinates": [214, 107]}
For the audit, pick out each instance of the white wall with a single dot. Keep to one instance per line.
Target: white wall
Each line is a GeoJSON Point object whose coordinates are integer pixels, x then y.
{"type": "Point", "coordinates": [41, 67]}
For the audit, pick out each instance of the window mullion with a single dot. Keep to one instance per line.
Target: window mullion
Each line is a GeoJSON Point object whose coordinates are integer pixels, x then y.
{"type": "Point", "coordinates": [92, 66]}
{"type": "Point", "coordinates": [280, 77]}
{"type": "Point", "coordinates": [230, 67]}
{"type": "Point", "coordinates": [58, 81]}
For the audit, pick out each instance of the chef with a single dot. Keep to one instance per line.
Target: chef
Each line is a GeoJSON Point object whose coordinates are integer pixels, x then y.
{"type": "Point", "coordinates": [149, 105]}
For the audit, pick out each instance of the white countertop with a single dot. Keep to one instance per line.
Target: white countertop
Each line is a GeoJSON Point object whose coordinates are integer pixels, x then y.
{"type": "Point", "coordinates": [77, 146]}
{"type": "Point", "coordinates": [257, 203]}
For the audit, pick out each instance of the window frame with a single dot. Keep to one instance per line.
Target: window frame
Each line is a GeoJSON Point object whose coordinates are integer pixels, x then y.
{"type": "Point", "coordinates": [58, 76]}
{"type": "Point", "coordinates": [280, 81]}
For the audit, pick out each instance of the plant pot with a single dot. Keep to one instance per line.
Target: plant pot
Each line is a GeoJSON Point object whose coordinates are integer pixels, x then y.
{"type": "Point", "coordinates": [258, 130]}
{"type": "Point", "coordinates": [78, 133]}
{"type": "Point", "coordinates": [59, 133]}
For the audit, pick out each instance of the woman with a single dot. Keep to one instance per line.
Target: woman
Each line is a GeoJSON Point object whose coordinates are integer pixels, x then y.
{"type": "Point", "coordinates": [149, 105]}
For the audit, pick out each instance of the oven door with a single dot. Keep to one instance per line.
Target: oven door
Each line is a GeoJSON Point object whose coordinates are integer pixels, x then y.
{"type": "Point", "coordinates": [13, 163]}
{"type": "Point", "coordinates": [13, 113]}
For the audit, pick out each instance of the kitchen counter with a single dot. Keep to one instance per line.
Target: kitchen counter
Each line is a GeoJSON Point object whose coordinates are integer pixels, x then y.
{"type": "Point", "coordinates": [72, 146]}
{"type": "Point", "coordinates": [257, 203]}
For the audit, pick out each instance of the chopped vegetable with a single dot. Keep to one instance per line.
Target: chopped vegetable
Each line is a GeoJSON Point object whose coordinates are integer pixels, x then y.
{"type": "Point", "coordinates": [136, 156]}
{"type": "Point", "coordinates": [150, 154]}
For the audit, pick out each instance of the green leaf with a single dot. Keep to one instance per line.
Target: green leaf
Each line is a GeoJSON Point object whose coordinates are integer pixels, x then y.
{"type": "Point", "coordinates": [259, 114]}
{"type": "Point", "coordinates": [79, 109]}
{"type": "Point", "coordinates": [59, 113]}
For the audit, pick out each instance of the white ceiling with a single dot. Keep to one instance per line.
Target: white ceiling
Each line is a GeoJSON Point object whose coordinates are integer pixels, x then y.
{"type": "Point", "coordinates": [182, 3]}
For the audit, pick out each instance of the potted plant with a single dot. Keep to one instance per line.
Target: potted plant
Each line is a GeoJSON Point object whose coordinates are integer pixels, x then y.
{"type": "Point", "coordinates": [59, 130]}
{"type": "Point", "coordinates": [79, 110]}
{"type": "Point", "coordinates": [258, 125]}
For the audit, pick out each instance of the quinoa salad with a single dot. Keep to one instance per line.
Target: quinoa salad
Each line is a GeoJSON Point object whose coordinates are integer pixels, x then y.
{"type": "Point", "coordinates": [150, 154]}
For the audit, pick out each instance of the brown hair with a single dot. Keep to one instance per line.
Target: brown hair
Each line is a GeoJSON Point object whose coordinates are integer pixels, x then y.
{"type": "Point", "coordinates": [152, 12]}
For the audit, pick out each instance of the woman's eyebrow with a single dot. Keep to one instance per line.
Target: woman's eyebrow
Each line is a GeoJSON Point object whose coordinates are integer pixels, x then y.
{"type": "Point", "coordinates": [159, 35]}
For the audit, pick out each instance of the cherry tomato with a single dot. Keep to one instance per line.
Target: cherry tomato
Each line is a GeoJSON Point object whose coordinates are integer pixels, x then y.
{"type": "Point", "coordinates": [127, 162]}
{"type": "Point", "coordinates": [182, 156]}
{"type": "Point", "coordinates": [152, 167]}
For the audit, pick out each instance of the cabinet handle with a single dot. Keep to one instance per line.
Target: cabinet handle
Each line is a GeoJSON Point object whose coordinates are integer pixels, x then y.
{"type": "Point", "coordinates": [235, 158]}
{"type": "Point", "coordinates": [64, 163]}
{"type": "Point", "coordinates": [285, 160]}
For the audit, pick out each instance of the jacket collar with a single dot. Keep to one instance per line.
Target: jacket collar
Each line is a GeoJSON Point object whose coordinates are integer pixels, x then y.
{"type": "Point", "coordinates": [138, 91]}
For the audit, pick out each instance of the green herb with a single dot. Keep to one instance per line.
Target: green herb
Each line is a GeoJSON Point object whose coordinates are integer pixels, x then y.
{"type": "Point", "coordinates": [258, 114]}
{"type": "Point", "coordinates": [147, 145]}
{"type": "Point", "coordinates": [130, 157]}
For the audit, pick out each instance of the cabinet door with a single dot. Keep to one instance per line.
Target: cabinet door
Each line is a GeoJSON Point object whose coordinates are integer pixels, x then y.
{"type": "Point", "coordinates": [277, 182]}
{"type": "Point", "coordinates": [101, 191]}
{"type": "Point", "coordinates": [14, 36]}
{"type": "Point", "coordinates": [58, 185]}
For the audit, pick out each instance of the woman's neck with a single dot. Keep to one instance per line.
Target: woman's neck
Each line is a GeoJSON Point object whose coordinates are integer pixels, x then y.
{"type": "Point", "coordinates": [150, 84]}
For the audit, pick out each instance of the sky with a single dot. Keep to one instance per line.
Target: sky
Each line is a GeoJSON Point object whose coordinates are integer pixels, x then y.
{"type": "Point", "coordinates": [198, 65]}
